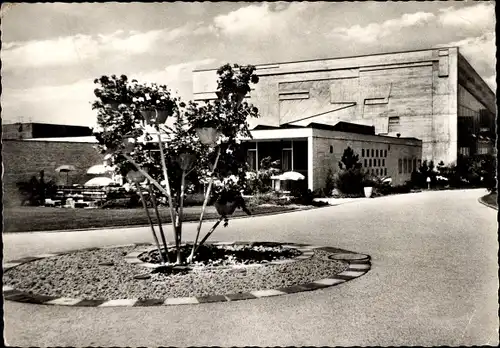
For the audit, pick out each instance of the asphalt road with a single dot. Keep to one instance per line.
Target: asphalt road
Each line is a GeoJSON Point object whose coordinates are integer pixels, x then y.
{"type": "Point", "coordinates": [434, 281]}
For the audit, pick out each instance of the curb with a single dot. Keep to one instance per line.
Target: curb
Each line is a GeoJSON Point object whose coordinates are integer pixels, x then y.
{"type": "Point", "coordinates": [359, 264]}
{"type": "Point", "coordinates": [480, 199]}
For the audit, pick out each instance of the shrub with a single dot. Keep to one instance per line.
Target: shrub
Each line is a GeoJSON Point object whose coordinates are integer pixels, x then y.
{"type": "Point", "coordinates": [322, 193]}
{"type": "Point", "coordinates": [304, 196]}
{"type": "Point", "coordinates": [419, 176]}
{"type": "Point", "coordinates": [267, 198]}
{"type": "Point", "coordinates": [473, 171]}
{"type": "Point", "coordinates": [35, 191]}
{"type": "Point", "coordinates": [260, 181]}
{"type": "Point", "coordinates": [351, 178]}
{"type": "Point", "coordinates": [329, 182]}
{"type": "Point", "coordinates": [350, 181]}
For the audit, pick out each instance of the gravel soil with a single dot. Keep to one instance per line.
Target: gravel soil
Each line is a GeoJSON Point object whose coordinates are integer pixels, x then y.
{"type": "Point", "coordinates": [104, 274]}
{"type": "Point", "coordinates": [227, 255]}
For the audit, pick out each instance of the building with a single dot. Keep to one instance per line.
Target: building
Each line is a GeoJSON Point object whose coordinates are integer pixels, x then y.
{"type": "Point", "coordinates": [314, 149]}
{"type": "Point", "coordinates": [433, 95]}
{"type": "Point", "coordinates": [42, 130]}
{"type": "Point", "coordinates": [23, 159]}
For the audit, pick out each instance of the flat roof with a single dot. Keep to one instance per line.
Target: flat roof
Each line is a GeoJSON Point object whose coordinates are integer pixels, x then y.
{"type": "Point", "coordinates": [342, 57]}
{"type": "Point", "coordinates": [335, 128]}
{"type": "Point", "coordinates": [88, 139]}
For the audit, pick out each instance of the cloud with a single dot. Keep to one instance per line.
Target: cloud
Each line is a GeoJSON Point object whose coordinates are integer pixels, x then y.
{"type": "Point", "coordinates": [55, 52]}
{"type": "Point", "coordinates": [255, 20]}
{"type": "Point", "coordinates": [375, 31]}
{"type": "Point", "coordinates": [178, 77]}
{"type": "Point", "coordinates": [71, 103]}
{"type": "Point", "coordinates": [65, 104]}
{"type": "Point", "coordinates": [480, 16]}
{"type": "Point", "coordinates": [480, 51]}
{"type": "Point", "coordinates": [71, 50]}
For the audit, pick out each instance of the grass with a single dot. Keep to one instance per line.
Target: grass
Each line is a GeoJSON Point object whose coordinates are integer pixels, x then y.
{"type": "Point", "coordinates": [28, 219]}
{"type": "Point", "coordinates": [491, 199]}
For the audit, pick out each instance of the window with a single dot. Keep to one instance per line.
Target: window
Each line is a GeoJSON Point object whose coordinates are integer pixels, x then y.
{"type": "Point", "coordinates": [362, 152]}
{"type": "Point", "coordinates": [377, 171]}
{"type": "Point", "coordinates": [405, 166]}
{"type": "Point", "coordinates": [385, 153]}
{"type": "Point", "coordinates": [331, 149]}
{"type": "Point", "coordinates": [393, 124]}
{"type": "Point", "coordinates": [400, 166]}
{"type": "Point", "coordinates": [409, 165]}
{"type": "Point", "coordinates": [483, 150]}
{"type": "Point", "coordinates": [385, 171]}
{"type": "Point", "coordinates": [286, 160]}
{"type": "Point", "coordinates": [383, 162]}
{"type": "Point", "coordinates": [378, 162]}
{"type": "Point", "coordinates": [365, 162]}
{"type": "Point", "coordinates": [376, 153]}
{"type": "Point", "coordinates": [373, 171]}
{"type": "Point", "coordinates": [373, 153]}
{"type": "Point", "coordinates": [370, 162]}
{"type": "Point", "coordinates": [464, 151]}
{"type": "Point", "coordinates": [415, 164]}
{"type": "Point", "coordinates": [252, 158]}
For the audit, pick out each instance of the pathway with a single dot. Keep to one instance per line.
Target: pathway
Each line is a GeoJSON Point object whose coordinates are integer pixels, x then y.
{"type": "Point", "coordinates": [433, 281]}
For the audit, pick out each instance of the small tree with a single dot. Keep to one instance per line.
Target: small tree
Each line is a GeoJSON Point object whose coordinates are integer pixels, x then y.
{"type": "Point", "coordinates": [350, 178]}
{"type": "Point", "coordinates": [203, 144]}
{"type": "Point", "coordinates": [426, 170]}
{"type": "Point", "coordinates": [350, 160]}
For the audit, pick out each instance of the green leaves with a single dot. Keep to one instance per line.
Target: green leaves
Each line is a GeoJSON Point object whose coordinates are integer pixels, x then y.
{"type": "Point", "coordinates": [126, 108]}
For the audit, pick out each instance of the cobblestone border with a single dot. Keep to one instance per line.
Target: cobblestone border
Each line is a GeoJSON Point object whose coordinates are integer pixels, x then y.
{"type": "Point", "coordinates": [359, 264]}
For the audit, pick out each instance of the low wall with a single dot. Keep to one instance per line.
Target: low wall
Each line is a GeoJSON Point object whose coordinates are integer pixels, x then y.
{"type": "Point", "coordinates": [25, 159]}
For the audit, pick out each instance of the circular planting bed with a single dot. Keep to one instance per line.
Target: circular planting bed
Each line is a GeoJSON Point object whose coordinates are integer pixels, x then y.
{"type": "Point", "coordinates": [133, 275]}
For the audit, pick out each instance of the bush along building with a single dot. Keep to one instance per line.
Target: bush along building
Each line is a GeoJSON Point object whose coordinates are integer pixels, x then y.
{"type": "Point", "coordinates": [433, 95]}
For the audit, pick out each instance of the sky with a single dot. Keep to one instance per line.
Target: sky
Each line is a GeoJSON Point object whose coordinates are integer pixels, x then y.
{"type": "Point", "coordinates": [52, 52]}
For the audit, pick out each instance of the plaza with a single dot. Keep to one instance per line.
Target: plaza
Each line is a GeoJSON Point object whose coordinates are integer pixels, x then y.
{"type": "Point", "coordinates": [433, 282]}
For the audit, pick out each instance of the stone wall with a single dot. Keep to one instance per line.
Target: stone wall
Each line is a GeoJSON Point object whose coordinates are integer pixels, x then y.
{"type": "Point", "coordinates": [328, 148]}
{"type": "Point", "coordinates": [24, 159]}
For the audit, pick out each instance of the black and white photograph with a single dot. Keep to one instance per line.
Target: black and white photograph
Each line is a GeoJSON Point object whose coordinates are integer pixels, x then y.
{"type": "Point", "coordinates": [234, 174]}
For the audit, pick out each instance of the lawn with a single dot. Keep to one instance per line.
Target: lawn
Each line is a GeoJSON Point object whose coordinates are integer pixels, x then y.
{"type": "Point", "coordinates": [27, 219]}
{"type": "Point", "coordinates": [491, 199]}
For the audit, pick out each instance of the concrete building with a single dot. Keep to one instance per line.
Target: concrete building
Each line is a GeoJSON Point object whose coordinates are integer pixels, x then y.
{"type": "Point", "coordinates": [314, 149]}
{"type": "Point", "coordinates": [433, 95]}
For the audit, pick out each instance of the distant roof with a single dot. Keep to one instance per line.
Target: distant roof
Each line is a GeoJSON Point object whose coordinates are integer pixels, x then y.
{"type": "Point", "coordinates": [89, 139]}
{"type": "Point", "coordinates": [341, 57]}
{"type": "Point", "coordinates": [338, 127]}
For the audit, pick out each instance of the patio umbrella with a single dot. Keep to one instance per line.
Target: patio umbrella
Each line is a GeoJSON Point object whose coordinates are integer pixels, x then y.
{"type": "Point", "coordinates": [66, 168]}
{"type": "Point", "coordinates": [100, 169]}
{"type": "Point", "coordinates": [99, 181]}
{"type": "Point", "coordinates": [291, 176]}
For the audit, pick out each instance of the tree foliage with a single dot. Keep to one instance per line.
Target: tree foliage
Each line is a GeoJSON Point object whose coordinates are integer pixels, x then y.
{"type": "Point", "coordinates": [132, 115]}
{"type": "Point", "coordinates": [351, 178]}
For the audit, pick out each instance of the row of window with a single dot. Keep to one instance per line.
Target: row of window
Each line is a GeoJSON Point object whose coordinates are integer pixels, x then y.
{"type": "Point", "coordinates": [408, 165]}
{"type": "Point", "coordinates": [374, 153]}
{"type": "Point", "coordinates": [377, 162]}
{"type": "Point", "coordinates": [378, 171]}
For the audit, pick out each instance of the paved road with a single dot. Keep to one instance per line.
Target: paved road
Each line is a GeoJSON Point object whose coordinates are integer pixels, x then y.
{"type": "Point", "coordinates": [434, 281]}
